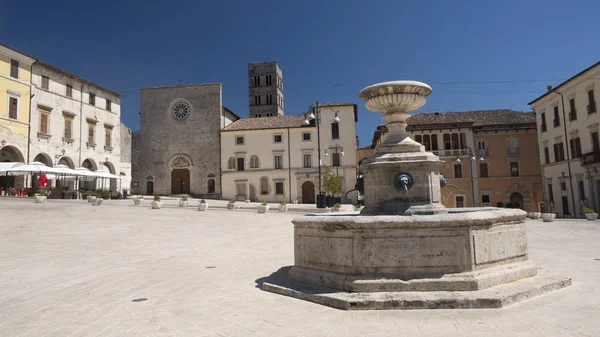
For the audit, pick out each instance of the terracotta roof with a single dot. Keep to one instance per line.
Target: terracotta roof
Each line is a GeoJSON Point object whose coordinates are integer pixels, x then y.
{"type": "Point", "coordinates": [261, 123]}
{"type": "Point", "coordinates": [478, 120]}
{"type": "Point", "coordinates": [336, 103]}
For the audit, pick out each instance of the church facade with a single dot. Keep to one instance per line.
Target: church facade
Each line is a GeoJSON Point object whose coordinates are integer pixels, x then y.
{"type": "Point", "coordinates": [177, 149]}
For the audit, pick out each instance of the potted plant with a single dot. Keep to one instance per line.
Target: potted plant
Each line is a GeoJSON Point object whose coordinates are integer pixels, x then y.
{"type": "Point", "coordinates": [499, 204]}
{"type": "Point", "coordinates": [106, 194]}
{"type": "Point", "coordinates": [282, 206]}
{"type": "Point", "coordinates": [40, 196]}
{"type": "Point", "coordinates": [590, 214]}
{"type": "Point", "coordinates": [138, 201]}
{"type": "Point", "coordinates": [156, 203]}
{"type": "Point", "coordinates": [263, 208]}
{"type": "Point", "coordinates": [97, 201]}
{"type": "Point", "coordinates": [548, 217]}
{"type": "Point", "coordinates": [336, 207]}
{"type": "Point", "coordinates": [231, 204]}
{"type": "Point", "coordinates": [184, 201]}
{"type": "Point", "coordinates": [202, 205]}
{"type": "Point", "coordinates": [90, 195]}
{"type": "Point", "coordinates": [534, 215]}
{"type": "Point", "coordinates": [357, 208]}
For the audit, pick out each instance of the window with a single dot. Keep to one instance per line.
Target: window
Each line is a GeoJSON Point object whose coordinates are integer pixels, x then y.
{"type": "Point", "coordinates": [563, 186]}
{"type": "Point", "coordinates": [550, 193]}
{"type": "Point", "coordinates": [457, 170]}
{"type": "Point", "coordinates": [269, 80]}
{"type": "Point", "coordinates": [455, 143]}
{"type": "Point", "coordinates": [44, 119]}
{"type": "Point", "coordinates": [335, 130]}
{"type": "Point", "coordinates": [254, 162]}
{"type": "Point", "coordinates": [595, 142]}
{"type": "Point", "coordinates": [581, 190]}
{"type": "Point", "coordinates": [13, 105]}
{"type": "Point", "coordinates": [92, 99]}
{"type": "Point", "coordinates": [543, 116]}
{"type": "Point", "coordinates": [211, 186]}
{"type": "Point", "coordinates": [107, 137]}
{"type": "Point", "coordinates": [307, 160]}
{"type": "Point", "coordinates": [459, 201]}
{"type": "Point", "coordinates": [559, 152]}
{"type": "Point", "coordinates": [485, 199]}
{"type": "Point", "coordinates": [514, 169]}
{"type": "Point", "coordinates": [69, 90]}
{"type": "Point", "coordinates": [108, 104]}
{"type": "Point", "coordinates": [427, 142]}
{"type": "Point", "coordinates": [512, 146]}
{"type": "Point", "coordinates": [256, 99]}
{"type": "Point", "coordinates": [482, 148]}
{"type": "Point", "coordinates": [419, 139]}
{"type": "Point", "coordinates": [483, 170]}
{"type": "Point", "coordinates": [277, 139]}
{"type": "Point", "coordinates": [239, 140]}
{"type": "Point", "coordinates": [256, 80]}
{"type": "Point", "coordinates": [91, 130]}
{"type": "Point", "coordinates": [269, 98]}
{"type": "Point", "coordinates": [231, 163]}
{"type": "Point", "coordinates": [573, 112]}
{"type": "Point", "coordinates": [240, 164]}
{"type": "Point", "coordinates": [434, 143]}
{"type": "Point", "coordinates": [336, 159]}
{"type": "Point", "coordinates": [278, 162]}
{"type": "Point", "coordinates": [546, 155]}
{"type": "Point", "coordinates": [556, 117]}
{"type": "Point", "coordinates": [14, 69]}
{"type": "Point", "coordinates": [264, 186]}
{"type": "Point", "coordinates": [68, 128]}
{"type": "Point", "coordinates": [45, 82]}
{"type": "Point", "coordinates": [575, 146]}
{"type": "Point", "coordinates": [306, 136]}
{"type": "Point", "coordinates": [241, 189]}
{"type": "Point", "coordinates": [591, 108]}
{"type": "Point", "coordinates": [279, 188]}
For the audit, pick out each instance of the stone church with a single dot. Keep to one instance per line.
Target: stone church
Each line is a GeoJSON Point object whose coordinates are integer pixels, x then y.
{"type": "Point", "coordinates": [178, 147]}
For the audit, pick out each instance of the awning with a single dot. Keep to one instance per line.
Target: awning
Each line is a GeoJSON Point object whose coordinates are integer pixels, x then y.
{"type": "Point", "coordinates": [5, 166]}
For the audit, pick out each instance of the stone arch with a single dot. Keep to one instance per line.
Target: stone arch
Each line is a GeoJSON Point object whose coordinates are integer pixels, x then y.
{"type": "Point", "coordinates": [110, 167]}
{"type": "Point", "coordinates": [112, 170]}
{"type": "Point", "coordinates": [516, 188]}
{"type": "Point", "coordinates": [11, 154]}
{"type": "Point", "coordinates": [231, 163]}
{"type": "Point", "coordinates": [89, 164]}
{"type": "Point", "coordinates": [180, 160]}
{"type": "Point", "coordinates": [264, 186]}
{"type": "Point", "coordinates": [66, 161]}
{"type": "Point", "coordinates": [211, 186]}
{"type": "Point", "coordinates": [44, 159]}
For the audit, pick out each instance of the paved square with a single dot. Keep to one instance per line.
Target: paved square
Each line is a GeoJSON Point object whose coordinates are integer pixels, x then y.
{"type": "Point", "coordinates": [70, 269]}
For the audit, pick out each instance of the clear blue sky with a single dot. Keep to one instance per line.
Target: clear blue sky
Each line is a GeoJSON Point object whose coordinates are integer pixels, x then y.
{"type": "Point", "coordinates": [478, 54]}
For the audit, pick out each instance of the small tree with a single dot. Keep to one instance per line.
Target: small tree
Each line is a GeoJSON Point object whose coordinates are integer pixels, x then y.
{"type": "Point", "coordinates": [331, 183]}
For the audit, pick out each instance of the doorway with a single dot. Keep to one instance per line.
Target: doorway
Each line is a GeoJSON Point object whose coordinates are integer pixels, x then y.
{"type": "Point", "coordinates": [149, 188]}
{"type": "Point", "coordinates": [516, 199]}
{"type": "Point", "coordinates": [180, 181]}
{"type": "Point", "coordinates": [253, 196]}
{"type": "Point", "coordinates": [308, 193]}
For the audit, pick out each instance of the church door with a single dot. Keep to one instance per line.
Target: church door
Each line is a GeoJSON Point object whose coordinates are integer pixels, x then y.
{"type": "Point", "coordinates": [308, 193]}
{"type": "Point", "coordinates": [180, 181]}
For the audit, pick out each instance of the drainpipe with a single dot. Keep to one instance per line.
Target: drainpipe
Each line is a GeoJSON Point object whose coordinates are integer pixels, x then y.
{"type": "Point", "coordinates": [80, 122]}
{"type": "Point", "coordinates": [567, 147]}
{"type": "Point", "coordinates": [289, 166]}
{"type": "Point", "coordinates": [30, 104]}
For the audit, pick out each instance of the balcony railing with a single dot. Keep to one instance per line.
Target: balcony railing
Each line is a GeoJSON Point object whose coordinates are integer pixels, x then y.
{"type": "Point", "coordinates": [591, 108]}
{"type": "Point", "coordinates": [482, 152]}
{"type": "Point", "coordinates": [572, 115]}
{"type": "Point", "coordinates": [556, 122]}
{"type": "Point", "coordinates": [451, 153]}
{"type": "Point", "coordinates": [512, 151]}
{"type": "Point", "coordinates": [590, 158]}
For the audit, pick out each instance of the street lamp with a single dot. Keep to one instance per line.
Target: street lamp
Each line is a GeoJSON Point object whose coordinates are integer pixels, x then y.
{"type": "Point", "coordinates": [336, 147]}
{"type": "Point", "coordinates": [315, 114]}
{"type": "Point", "coordinates": [473, 160]}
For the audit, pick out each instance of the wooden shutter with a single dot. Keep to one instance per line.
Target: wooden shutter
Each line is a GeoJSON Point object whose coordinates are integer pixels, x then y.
{"type": "Point", "coordinates": [12, 107]}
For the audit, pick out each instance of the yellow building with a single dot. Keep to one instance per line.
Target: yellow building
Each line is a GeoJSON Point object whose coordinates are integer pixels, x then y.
{"type": "Point", "coordinates": [15, 95]}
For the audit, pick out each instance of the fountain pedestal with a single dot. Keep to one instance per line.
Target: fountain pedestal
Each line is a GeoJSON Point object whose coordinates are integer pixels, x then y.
{"type": "Point", "coordinates": [406, 250]}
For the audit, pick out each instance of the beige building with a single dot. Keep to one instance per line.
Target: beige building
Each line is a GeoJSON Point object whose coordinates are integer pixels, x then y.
{"type": "Point", "coordinates": [276, 158]}
{"type": "Point", "coordinates": [567, 119]}
{"type": "Point", "coordinates": [490, 156]}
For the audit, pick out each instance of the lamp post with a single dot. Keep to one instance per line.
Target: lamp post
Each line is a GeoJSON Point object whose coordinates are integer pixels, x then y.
{"type": "Point", "coordinates": [314, 113]}
{"type": "Point", "coordinates": [473, 160]}
{"type": "Point", "coordinates": [341, 154]}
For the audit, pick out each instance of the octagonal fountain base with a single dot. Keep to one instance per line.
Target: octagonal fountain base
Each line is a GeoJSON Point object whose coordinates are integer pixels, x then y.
{"type": "Point", "coordinates": [468, 258]}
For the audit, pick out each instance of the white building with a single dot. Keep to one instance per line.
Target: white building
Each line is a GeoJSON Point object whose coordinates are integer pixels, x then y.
{"type": "Point", "coordinates": [74, 122]}
{"type": "Point", "coordinates": [567, 119]}
{"type": "Point", "coordinates": [276, 158]}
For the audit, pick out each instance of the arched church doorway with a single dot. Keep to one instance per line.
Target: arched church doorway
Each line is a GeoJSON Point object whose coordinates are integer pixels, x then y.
{"type": "Point", "coordinates": [516, 199]}
{"type": "Point", "coordinates": [180, 181]}
{"type": "Point", "coordinates": [308, 193]}
{"type": "Point", "coordinates": [149, 188]}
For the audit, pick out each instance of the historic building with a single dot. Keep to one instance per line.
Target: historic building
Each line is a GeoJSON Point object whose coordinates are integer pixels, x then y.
{"type": "Point", "coordinates": [15, 94]}
{"type": "Point", "coordinates": [177, 149]}
{"type": "Point", "coordinates": [490, 156]}
{"type": "Point", "coordinates": [125, 172]}
{"type": "Point", "coordinates": [276, 158]}
{"type": "Point", "coordinates": [74, 122]}
{"type": "Point", "coordinates": [567, 119]}
{"type": "Point", "coordinates": [265, 89]}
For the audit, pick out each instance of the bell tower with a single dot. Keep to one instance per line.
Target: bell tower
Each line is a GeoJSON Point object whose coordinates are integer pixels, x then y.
{"type": "Point", "coordinates": [265, 90]}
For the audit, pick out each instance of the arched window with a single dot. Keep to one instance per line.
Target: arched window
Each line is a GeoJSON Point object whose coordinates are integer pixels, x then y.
{"type": "Point", "coordinates": [254, 162]}
{"type": "Point", "coordinates": [211, 186]}
{"type": "Point", "coordinates": [269, 99]}
{"type": "Point", "coordinates": [264, 186]}
{"type": "Point", "coordinates": [256, 80]}
{"type": "Point", "coordinates": [231, 163]}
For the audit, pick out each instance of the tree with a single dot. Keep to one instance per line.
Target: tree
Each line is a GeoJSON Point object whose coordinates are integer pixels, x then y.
{"type": "Point", "coordinates": [331, 183]}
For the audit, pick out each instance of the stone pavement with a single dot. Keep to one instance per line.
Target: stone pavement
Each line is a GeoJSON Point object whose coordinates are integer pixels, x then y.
{"type": "Point", "coordinates": [70, 269]}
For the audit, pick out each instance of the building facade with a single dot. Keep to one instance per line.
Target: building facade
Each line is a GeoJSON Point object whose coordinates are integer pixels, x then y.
{"type": "Point", "coordinates": [15, 94]}
{"type": "Point", "coordinates": [567, 120]}
{"type": "Point", "coordinates": [265, 90]}
{"type": "Point", "coordinates": [276, 158]}
{"type": "Point", "coordinates": [74, 122]}
{"type": "Point", "coordinates": [177, 149]}
{"type": "Point", "coordinates": [490, 156]}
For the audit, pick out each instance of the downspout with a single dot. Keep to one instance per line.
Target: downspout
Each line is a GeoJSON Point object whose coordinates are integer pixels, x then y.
{"type": "Point", "coordinates": [80, 122]}
{"type": "Point", "coordinates": [567, 147]}
{"type": "Point", "coordinates": [289, 165]}
{"type": "Point", "coordinates": [30, 104]}
{"type": "Point", "coordinates": [221, 155]}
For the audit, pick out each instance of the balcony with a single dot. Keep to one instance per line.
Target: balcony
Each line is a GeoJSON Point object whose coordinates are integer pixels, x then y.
{"type": "Point", "coordinates": [513, 151]}
{"type": "Point", "coordinates": [556, 122]}
{"type": "Point", "coordinates": [451, 153]}
{"type": "Point", "coordinates": [590, 158]}
{"type": "Point", "coordinates": [572, 115]}
{"type": "Point", "coordinates": [591, 108]}
{"type": "Point", "coordinates": [482, 152]}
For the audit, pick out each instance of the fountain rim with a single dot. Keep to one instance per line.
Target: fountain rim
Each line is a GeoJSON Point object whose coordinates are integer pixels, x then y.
{"type": "Point", "coordinates": [397, 86]}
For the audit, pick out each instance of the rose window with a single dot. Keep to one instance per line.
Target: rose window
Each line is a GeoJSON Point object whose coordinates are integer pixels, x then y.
{"type": "Point", "coordinates": [181, 109]}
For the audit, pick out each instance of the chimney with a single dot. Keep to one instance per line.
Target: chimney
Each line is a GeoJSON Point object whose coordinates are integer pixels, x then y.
{"type": "Point", "coordinates": [549, 88]}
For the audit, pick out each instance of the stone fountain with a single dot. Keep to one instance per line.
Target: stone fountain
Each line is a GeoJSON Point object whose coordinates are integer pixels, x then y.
{"type": "Point", "coordinates": [405, 250]}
